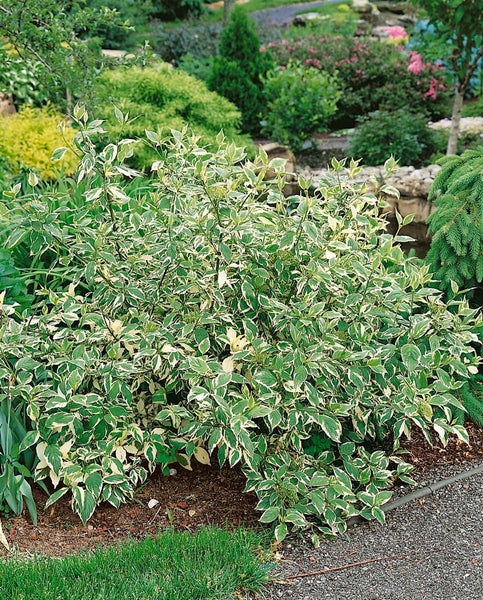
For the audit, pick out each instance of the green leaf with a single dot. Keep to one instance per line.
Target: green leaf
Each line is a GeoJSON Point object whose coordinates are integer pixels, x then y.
{"type": "Point", "coordinates": [318, 500]}
{"type": "Point", "coordinates": [287, 240]}
{"type": "Point", "coordinates": [411, 356]}
{"type": "Point", "coordinates": [265, 379]}
{"type": "Point", "coordinates": [270, 515]}
{"type": "Point", "coordinates": [296, 517]}
{"type": "Point", "coordinates": [58, 154]}
{"type": "Point", "coordinates": [30, 438]}
{"type": "Point", "coordinates": [378, 514]}
{"type": "Point", "coordinates": [84, 503]}
{"type": "Point", "coordinates": [330, 426]}
{"type": "Point", "coordinates": [56, 496]}
{"type": "Point", "coordinates": [281, 531]}
{"type": "Point", "coordinates": [53, 456]}
{"type": "Point", "coordinates": [93, 484]}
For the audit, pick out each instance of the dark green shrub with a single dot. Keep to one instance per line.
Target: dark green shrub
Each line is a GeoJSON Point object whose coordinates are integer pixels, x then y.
{"type": "Point", "coordinates": [11, 284]}
{"type": "Point", "coordinates": [197, 38]}
{"type": "Point", "coordinates": [131, 15]}
{"type": "Point", "coordinates": [197, 67]}
{"type": "Point", "coordinates": [164, 98]}
{"type": "Point", "coordinates": [471, 397]}
{"type": "Point", "coordinates": [239, 69]}
{"type": "Point", "coordinates": [171, 10]}
{"type": "Point", "coordinates": [400, 134]}
{"type": "Point", "coordinates": [474, 108]}
{"type": "Point", "coordinates": [456, 226]}
{"type": "Point", "coordinates": [299, 102]}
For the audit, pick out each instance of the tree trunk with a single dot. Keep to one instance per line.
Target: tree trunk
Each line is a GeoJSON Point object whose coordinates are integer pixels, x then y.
{"type": "Point", "coordinates": [227, 6]}
{"type": "Point", "coordinates": [455, 122]}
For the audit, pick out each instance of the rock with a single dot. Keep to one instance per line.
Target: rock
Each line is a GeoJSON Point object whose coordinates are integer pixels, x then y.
{"type": "Point", "coordinates": [398, 8]}
{"type": "Point", "coordinates": [305, 18]}
{"type": "Point", "coordinates": [7, 106]}
{"type": "Point", "coordinates": [276, 150]}
{"type": "Point", "coordinates": [363, 7]}
{"type": "Point", "coordinates": [472, 125]}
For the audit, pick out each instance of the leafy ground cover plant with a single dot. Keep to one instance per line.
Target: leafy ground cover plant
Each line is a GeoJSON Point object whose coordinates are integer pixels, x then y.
{"type": "Point", "coordinates": [174, 566]}
{"type": "Point", "coordinates": [300, 101]}
{"type": "Point", "coordinates": [204, 320]}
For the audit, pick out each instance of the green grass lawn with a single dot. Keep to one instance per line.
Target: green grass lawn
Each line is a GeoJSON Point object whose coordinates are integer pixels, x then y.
{"type": "Point", "coordinates": [211, 563]}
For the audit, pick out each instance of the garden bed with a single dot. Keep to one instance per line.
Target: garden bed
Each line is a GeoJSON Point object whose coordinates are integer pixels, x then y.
{"type": "Point", "coordinates": [187, 501]}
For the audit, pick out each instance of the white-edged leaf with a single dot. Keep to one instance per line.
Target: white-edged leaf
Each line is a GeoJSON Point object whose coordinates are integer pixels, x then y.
{"type": "Point", "coordinates": [3, 539]}
{"type": "Point", "coordinates": [202, 456]}
{"type": "Point", "coordinates": [411, 356]}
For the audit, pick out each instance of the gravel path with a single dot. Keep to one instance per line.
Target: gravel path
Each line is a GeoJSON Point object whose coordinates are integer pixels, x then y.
{"type": "Point", "coordinates": [434, 545]}
{"type": "Point", "coordinates": [284, 14]}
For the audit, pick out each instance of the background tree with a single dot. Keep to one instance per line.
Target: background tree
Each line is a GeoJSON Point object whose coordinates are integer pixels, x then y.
{"type": "Point", "coordinates": [239, 68]}
{"type": "Point", "coordinates": [56, 34]}
{"type": "Point", "coordinates": [460, 23]}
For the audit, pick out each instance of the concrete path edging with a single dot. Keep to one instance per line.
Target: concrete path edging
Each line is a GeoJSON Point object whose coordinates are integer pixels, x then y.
{"type": "Point", "coordinates": [426, 490]}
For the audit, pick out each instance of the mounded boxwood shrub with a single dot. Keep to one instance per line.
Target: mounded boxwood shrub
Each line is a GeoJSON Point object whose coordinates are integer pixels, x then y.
{"type": "Point", "coordinates": [201, 319]}
{"type": "Point", "coordinates": [300, 101]}
{"type": "Point", "coordinates": [29, 138]}
{"type": "Point", "coordinates": [401, 134]}
{"type": "Point", "coordinates": [163, 98]}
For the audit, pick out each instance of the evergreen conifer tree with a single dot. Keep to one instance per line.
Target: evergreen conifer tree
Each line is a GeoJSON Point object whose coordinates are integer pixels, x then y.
{"type": "Point", "coordinates": [456, 227]}
{"type": "Point", "coordinates": [239, 68]}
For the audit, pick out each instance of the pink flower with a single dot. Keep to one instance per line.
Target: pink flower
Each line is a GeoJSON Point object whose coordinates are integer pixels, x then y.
{"type": "Point", "coordinates": [263, 49]}
{"type": "Point", "coordinates": [416, 64]}
{"type": "Point", "coordinates": [431, 93]}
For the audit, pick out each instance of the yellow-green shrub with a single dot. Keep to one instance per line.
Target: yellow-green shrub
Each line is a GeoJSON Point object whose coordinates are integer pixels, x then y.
{"type": "Point", "coordinates": [161, 98]}
{"type": "Point", "coordinates": [29, 138]}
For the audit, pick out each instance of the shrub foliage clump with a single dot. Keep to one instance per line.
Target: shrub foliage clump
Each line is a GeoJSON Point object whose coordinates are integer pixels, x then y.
{"type": "Point", "coordinates": [300, 101]}
{"type": "Point", "coordinates": [162, 98]}
{"type": "Point", "coordinates": [373, 75]}
{"type": "Point", "coordinates": [30, 137]}
{"type": "Point", "coordinates": [203, 319]}
{"type": "Point", "coordinates": [401, 134]}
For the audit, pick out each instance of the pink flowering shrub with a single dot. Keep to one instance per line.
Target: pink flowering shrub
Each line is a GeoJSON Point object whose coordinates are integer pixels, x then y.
{"type": "Point", "coordinates": [373, 75]}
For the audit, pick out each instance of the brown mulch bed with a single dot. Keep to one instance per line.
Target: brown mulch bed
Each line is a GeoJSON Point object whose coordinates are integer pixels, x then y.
{"type": "Point", "coordinates": [186, 500]}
